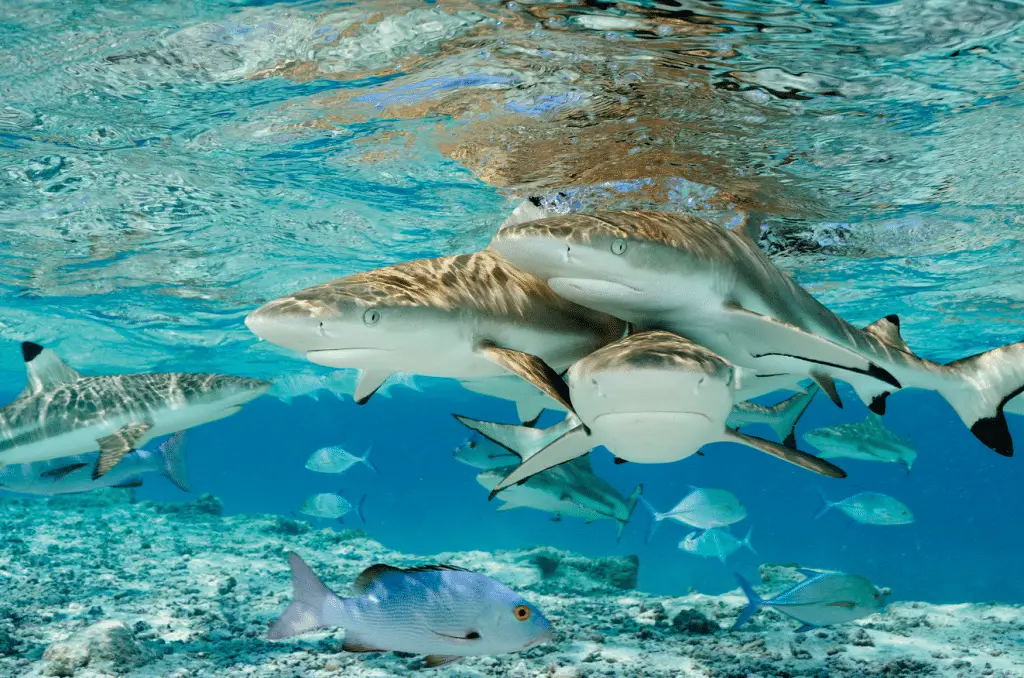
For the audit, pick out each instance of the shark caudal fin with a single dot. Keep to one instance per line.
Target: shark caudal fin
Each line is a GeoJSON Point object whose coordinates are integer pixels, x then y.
{"type": "Point", "coordinates": [310, 606]}
{"type": "Point", "coordinates": [987, 382]}
{"type": "Point", "coordinates": [631, 503]}
{"type": "Point", "coordinates": [172, 460]}
{"type": "Point", "coordinates": [782, 417]}
{"type": "Point", "coordinates": [754, 602]}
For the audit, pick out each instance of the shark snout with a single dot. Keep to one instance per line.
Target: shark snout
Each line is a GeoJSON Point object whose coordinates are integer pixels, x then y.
{"type": "Point", "coordinates": [289, 324]}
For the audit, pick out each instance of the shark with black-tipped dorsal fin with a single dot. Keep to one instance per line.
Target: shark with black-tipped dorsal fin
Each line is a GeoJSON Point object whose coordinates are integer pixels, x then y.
{"type": "Point", "coordinates": [650, 398]}
{"type": "Point", "coordinates": [470, 316]}
{"type": "Point", "coordinates": [715, 286]}
{"type": "Point", "coordinates": [63, 413]}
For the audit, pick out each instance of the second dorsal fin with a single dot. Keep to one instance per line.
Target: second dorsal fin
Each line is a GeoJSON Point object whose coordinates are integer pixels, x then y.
{"type": "Point", "coordinates": [887, 329]}
{"type": "Point", "coordinates": [44, 369]}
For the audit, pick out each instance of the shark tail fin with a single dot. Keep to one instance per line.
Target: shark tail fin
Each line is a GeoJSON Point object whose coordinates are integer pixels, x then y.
{"type": "Point", "coordinates": [310, 600]}
{"type": "Point", "coordinates": [746, 541]}
{"type": "Point", "coordinates": [826, 505]}
{"type": "Point", "coordinates": [754, 602]}
{"type": "Point", "coordinates": [524, 441]}
{"type": "Point", "coordinates": [987, 382]}
{"type": "Point", "coordinates": [365, 459]}
{"type": "Point", "coordinates": [172, 456]}
{"type": "Point", "coordinates": [656, 519]}
{"type": "Point", "coordinates": [788, 413]}
{"type": "Point", "coordinates": [631, 503]}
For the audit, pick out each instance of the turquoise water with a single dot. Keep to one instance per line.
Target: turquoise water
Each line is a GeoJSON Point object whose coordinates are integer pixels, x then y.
{"type": "Point", "coordinates": [165, 168]}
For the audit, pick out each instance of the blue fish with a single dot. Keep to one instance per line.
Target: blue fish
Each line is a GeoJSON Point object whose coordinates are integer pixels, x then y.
{"type": "Point", "coordinates": [822, 599]}
{"type": "Point", "coordinates": [441, 611]}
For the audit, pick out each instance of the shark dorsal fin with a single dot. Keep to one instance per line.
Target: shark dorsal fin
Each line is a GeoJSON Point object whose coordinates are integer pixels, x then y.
{"type": "Point", "coordinates": [45, 370]}
{"type": "Point", "coordinates": [887, 329]}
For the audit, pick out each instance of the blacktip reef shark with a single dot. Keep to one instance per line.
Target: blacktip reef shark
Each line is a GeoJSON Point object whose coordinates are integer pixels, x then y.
{"type": "Point", "coordinates": [716, 287]}
{"type": "Point", "coordinates": [867, 440]}
{"type": "Point", "coordinates": [572, 489]}
{"type": "Point", "coordinates": [461, 317]}
{"type": "Point", "coordinates": [650, 398]}
{"type": "Point", "coordinates": [62, 413]}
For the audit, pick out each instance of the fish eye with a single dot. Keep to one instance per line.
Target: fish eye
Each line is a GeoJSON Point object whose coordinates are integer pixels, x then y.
{"type": "Point", "coordinates": [618, 246]}
{"type": "Point", "coordinates": [522, 613]}
{"type": "Point", "coordinates": [371, 316]}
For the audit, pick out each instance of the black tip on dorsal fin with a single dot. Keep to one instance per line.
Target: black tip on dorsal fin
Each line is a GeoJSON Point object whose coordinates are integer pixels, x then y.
{"type": "Point", "coordinates": [30, 351]}
{"type": "Point", "coordinates": [894, 319]}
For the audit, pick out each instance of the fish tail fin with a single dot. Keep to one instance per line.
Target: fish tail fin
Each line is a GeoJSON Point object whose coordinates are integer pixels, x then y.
{"type": "Point", "coordinates": [826, 504]}
{"type": "Point", "coordinates": [631, 503]}
{"type": "Point", "coordinates": [311, 600]}
{"type": "Point", "coordinates": [788, 414]}
{"type": "Point", "coordinates": [754, 602]}
{"type": "Point", "coordinates": [656, 519]}
{"type": "Point", "coordinates": [365, 459]}
{"type": "Point", "coordinates": [359, 509]}
{"type": "Point", "coordinates": [746, 541]}
{"type": "Point", "coordinates": [986, 382]}
{"type": "Point", "coordinates": [172, 456]}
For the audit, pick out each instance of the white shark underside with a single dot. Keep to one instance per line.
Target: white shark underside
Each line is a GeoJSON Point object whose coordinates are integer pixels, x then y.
{"type": "Point", "coordinates": [683, 274]}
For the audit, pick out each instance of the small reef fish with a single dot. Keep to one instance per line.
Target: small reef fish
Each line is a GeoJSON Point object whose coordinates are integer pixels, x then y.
{"type": "Point", "coordinates": [484, 454]}
{"type": "Point", "coordinates": [62, 413]}
{"type": "Point", "coordinates": [338, 383]}
{"type": "Point", "coordinates": [867, 440]}
{"type": "Point", "coordinates": [650, 398]}
{"type": "Point", "coordinates": [331, 505]}
{"type": "Point", "coordinates": [460, 317]}
{"type": "Point", "coordinates": [822, 599]}
{"type": "Point", "coordinates": [703, 508]}
{"type": "Point", "coordinates": [715, 543]}
{"type": "Point", "coordinates": [72, 475]}
{"type": "Point", "coordinates": [571, 489]}
{"type": "Point", "coordinates": [782, 417]}
{"type": "Point", "coordinates": [337, 460]}
{"type": "Point", "coordinates": [870, 508]}
{"type": "Point", "coordinates": [715, 286]}
{"type": "Point", "coordinates": [440, 611]}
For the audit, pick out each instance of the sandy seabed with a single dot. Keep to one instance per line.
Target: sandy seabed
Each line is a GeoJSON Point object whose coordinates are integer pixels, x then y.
{"type": "Point", "coordinates": [96, 586]}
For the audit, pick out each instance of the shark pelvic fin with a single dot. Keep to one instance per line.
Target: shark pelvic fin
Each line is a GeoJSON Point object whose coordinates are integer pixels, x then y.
{"type": "Point", "coordinates": [45, 370]}
{"type": "Point", "coordinates": [801, 459]}
{"type": "Point", "coordinates": [369, 382]}
{"type": "Point", "coordinates": [776, 346]}
{"type": "Point", "coordinates": [532, 369]}
{"type": "Point", "coordinates": [114, 447]}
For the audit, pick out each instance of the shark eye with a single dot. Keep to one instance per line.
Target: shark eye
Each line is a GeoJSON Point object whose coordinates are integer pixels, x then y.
{"type": "Point", "coordinates": [522, 613]}
{"type": "Point", "coordinates": [618, 246]}
{"type": "Point", "coordinates": [371, 317]}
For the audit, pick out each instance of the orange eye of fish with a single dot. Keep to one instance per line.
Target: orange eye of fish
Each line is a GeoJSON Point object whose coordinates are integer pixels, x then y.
{"type": "Point", "coordinates": [522, 613]}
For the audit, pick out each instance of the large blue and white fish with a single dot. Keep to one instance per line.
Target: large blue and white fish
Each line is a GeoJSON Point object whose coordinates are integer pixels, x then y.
{"type": "Point", "coordinates": [337, 459]}
{"type": "Point", "coordinates": [870, 508]}
{"type": "Point", "coordinates": [715, 543]}
{"type": "Point", "coordinates": [703, 508]}
{"type": "Point", "coordinates": [822, 599]}
{"type": "Point", "coordinates": [441, 611]}
{"type": "Point", "coordinates": [70, 475]}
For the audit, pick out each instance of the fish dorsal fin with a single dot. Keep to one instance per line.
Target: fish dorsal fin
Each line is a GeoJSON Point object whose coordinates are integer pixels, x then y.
{"type": "Point", "coordinates": [370, 575]}
{"type": "Point", "coordinates": [887, 329]}
{"type": "Point", "coordinates": [45, 370]}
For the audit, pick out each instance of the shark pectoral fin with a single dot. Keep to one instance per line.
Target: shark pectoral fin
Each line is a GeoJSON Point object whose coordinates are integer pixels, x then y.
{"type": "Point", "coordinates": [530, 368]}
{"type": "Point", "coordinates": [58, 474]}
{"type": "Point", "coordinates": [573, 444]}
{"type": "Point", "coordinates": [435, 660]}
{"type": "Point", "coordinates": [114, 447]}
{"type": "Point", "coordinates": [801, 459]}
{"type": "Point", "coordinates": [368, 383]}
{"type": "Point", "coordinates": [508, 506]}
{"type": "Point", "coordinates": [774, 346]}
{"type": "Point", "coordinates": [828, 385]}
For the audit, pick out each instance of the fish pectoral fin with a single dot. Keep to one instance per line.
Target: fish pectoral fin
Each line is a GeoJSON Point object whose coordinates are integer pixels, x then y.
{"type": "Point", "coordinates": [574, 444]}
{"type": "Point", "coordinates": [805, 628]}
{"type": "Point", "coordinates": [356, 645]}
{"type": "Point", "coordinates": [117, 445]}
{"type": "Point", "coordinates": [772, 344]}
{"type": "Point", "coordinates": [801, 459]}
{"type": "Point", "coordinates": [841, 603]}
{"type": "Point", "coordinates": [530, 368]}
{"type": "Point", "coordinates": [131, 482]}
{"type": "Point", "coordinates": [58, 474]}
{"type": "Point", "coordinates": [433, 661]}
{"type": "Point", "coordinates": [368, 383]}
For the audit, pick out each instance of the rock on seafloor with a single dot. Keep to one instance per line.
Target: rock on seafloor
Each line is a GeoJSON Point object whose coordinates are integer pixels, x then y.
{"type": "Point", "coordinates": [95, 586]}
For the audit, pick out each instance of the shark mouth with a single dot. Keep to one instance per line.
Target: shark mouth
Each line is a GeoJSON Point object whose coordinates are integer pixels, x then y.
{"type": "Point", "coordinates": [593, 288]}
{"type": "Point", "coordinates": [351, 356]}
{"type": "Point", "coordinates": [653, 413]}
